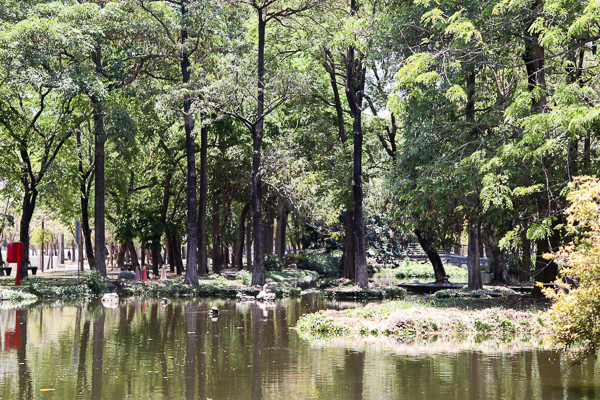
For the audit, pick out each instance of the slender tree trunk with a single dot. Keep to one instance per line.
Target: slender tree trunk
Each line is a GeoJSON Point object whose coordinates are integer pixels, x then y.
{"type": "Point", "coordinates": [249, 244]}
{"type": "Point", "coordinates": [87, 232]}
{"type": "Point", "coordinates": [177, 255]}
{"type": "Point", "coordinates": [355, 86]}
{"type": "Point", "coordinates": [360, 251]}
{"type": "Point", "coordinates": [191, 269]}
{"type": "Point", "coordinates": [546, 271]}
{"type": "Point", "coordinates": [29, 200]}
{"type": "Point", "coordinates": [499, 273]}
{"type": "Point", "coordinates": [347, 261]}
{"type": "Point", "coordinates": [258, 275]}
{"type": "Point", "coordinates": [268, 234]}
{"type": "Point", "coordinates": [280, 229]}
{"type": "Point", "coordinates": [217, 259]}
{"type": "Point", "coordinates": [534, 64]}
{"type": "Point", "coordinates": [121, 255]}
{"type": "Point", "coordinates": [587, 146]}
{"type": "Point", "coordinates": [526, 259]}
{"type": "Point", "coordinates": [239, 252]}
{"type": "Point", "coordinates": [202, 256]}
{"type": "Point", "coordinates": [99, 213]}
{"type": "Point", "coordinates": [473, 265]}
{"type": "Point", "coordinates": [133, 254]}
{"type": "Point", "coordinates": [426, 242]}
{"type": "Point", "coordinates": [170, 251]}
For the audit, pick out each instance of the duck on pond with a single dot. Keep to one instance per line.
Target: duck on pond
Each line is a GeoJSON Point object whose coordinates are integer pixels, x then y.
{"type": "Point", "coordinates": [214, 311]}
{"type": "Point", "coordinates": [264, 295]}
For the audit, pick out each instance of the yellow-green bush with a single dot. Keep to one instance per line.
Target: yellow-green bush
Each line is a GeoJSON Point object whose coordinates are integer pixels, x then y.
{"type": "Point", "coordinates": [576, 313]}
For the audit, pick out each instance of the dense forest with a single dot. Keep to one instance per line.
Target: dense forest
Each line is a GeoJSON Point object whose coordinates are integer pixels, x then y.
{"type": "Point", "coordinates": [266, 126]}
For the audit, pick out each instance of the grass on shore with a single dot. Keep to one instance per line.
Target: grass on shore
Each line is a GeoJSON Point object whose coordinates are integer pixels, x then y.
{"type": "Point", "coordinates": [408, 321]}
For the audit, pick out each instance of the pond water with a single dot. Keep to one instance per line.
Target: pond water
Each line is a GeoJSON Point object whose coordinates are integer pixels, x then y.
{"type": "Point", "coordinates": [143, 350]}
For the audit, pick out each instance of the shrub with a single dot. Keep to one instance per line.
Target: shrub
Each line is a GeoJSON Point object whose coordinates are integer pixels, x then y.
{"type": "Point", "coordinates": [96, 283]}
{"type": "Point", "coordinates": [295, 258]}
{"type": "Point", "coordinates": [576, 311]}
{"type": "Point", "coordinates": [48, 291]}
{"type": "Point", "coordinates": [319, 324]}
{"type": "Point", "coordinates": [411, 269]}
{"type": "Point", "coordinates": [244, 276]}
{"type": "Point", "coordinates": [16, 296]}
{"type": "Point", "coordinates": [319, 261]}
{"type": "Point", "coordinates": [273, 262]}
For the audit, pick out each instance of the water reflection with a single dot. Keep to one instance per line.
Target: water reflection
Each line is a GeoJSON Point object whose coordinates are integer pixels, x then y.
{"type": "Point", "coordinates": [143, 349]}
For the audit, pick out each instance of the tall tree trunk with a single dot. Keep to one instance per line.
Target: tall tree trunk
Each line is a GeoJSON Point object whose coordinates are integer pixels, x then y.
{"type": "Point", "coordinates": [473, 265]}
{"type": "Point", "coordinates": [355, 87]}
{"type": "Point", "coordinates": [280, 229]}
{"type": "Point", "coordinates": [239, 252]}
{"type": "Point", "coordinates": [87, 232]}
{"type": "Point", "coordinates": [121, 255]}
{"type": "Point", "coordinates": [546, 271]}
{"type": "Point", "coordinates": [29, 200]}
{"type": "Point", "coordinates": [499, 273]}
{"type": "Point", "coordinates": [171, 250]}
{"type": "Point", "coordinates": [202, 256]}
{"type": "Point", "coordinates": [526, 259]}
{"type": "Point", "coordinates": [360, 251]}
{"type": "Point", "coordinates": [217, 259]}
{"type": "Point", "coordinates": [587, 146]}
{"type": "Point", "coordinates": [191, 269]}
{"type": "Point", "coordinates": [268, 234]}
{"type": "Point", "coordinates": [347, 260]}
{"type": "Point", "coordinates": [134, 260]}
{"type": "Point", "coordinates": [426, 241]}
{"type": "Point", "coordinates": [177, 255]}
{"type": "Point", "coordinates": [99, 207]}
{"type": "Point", "coordinates": [249, 244]}
{"type": "Point", "coordinates": [534, 64]}
{"type": "Point", "coordinates": [258, 275]}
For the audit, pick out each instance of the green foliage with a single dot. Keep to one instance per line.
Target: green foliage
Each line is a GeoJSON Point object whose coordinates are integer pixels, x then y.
{"type": "Point", "coordinates": [576, 310]}
{"type": "Point", "coordinates": [45, 290]}
{"type": "Point", "coordinates": [273, 262]}
{"type": "Point", "coordinates": [384, 308]}
{"type": "Point", "coordinates": [413, 269]}
{"type": "Point", "coordinates": [244, 276]}
{"type": "Point", "coordinates": [319, 325]}
{"type": "Point", "coordinates": [96, 283]}
{"type": "Point", "coordinates": [319, 261]}
{"type": "Point", "coordinates": [13, 295]}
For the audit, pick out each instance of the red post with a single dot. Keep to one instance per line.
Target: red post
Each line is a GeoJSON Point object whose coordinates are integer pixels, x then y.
{"type": "Point", "coordinates": [16, 253]}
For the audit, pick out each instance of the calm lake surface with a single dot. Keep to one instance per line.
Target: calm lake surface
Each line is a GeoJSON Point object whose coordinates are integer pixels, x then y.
{"type": "Point", "coordinates": [143, 350]}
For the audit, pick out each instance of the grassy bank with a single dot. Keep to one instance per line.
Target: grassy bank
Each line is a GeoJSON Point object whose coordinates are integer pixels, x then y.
{"type": "Point", "coordinates": [410, 321]}
{"type": "Point", "coordinates": [286, 283]}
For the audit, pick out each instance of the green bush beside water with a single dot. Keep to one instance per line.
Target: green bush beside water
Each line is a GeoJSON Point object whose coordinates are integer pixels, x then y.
{"type": "Point", "coordinates": [319, 325]}
{"type": "Point", "coordinates": [319, 261]}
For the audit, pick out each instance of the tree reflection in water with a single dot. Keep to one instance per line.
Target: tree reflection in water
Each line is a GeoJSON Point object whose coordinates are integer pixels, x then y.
{"type": "Point", "coordinates": [178, 352]}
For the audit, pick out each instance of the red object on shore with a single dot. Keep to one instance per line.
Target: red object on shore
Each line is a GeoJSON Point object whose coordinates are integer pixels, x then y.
{"type": "Point", "coordinates": [144, 275]}
{"type": "Point", "coordinates": [16, 253]}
